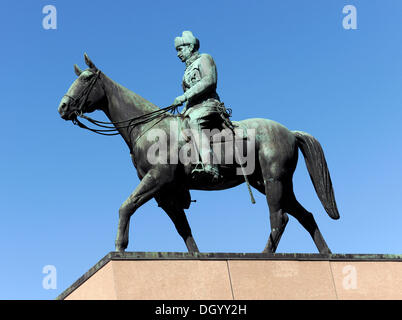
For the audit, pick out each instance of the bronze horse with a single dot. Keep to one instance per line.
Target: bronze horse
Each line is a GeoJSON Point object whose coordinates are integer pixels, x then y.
{"type": "Point", "coordinates": [276, 155]}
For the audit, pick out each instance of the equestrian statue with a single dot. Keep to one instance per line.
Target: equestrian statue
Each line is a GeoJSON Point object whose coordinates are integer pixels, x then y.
{"type": "Point", "coordinates": [171, 162]}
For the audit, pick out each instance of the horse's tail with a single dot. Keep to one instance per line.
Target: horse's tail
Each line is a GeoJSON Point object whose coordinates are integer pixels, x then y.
{"type": "Point", "coordinates": [318, 170]}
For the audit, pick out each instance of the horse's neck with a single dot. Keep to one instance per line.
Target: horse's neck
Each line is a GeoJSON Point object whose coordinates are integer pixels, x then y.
{"type": "Point", "coordinates": [123, 104]}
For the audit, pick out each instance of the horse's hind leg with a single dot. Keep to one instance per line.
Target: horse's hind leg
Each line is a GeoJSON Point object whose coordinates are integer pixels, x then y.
{"type": "Point", "coordinates": [307, 220]}
{"type": "Point", "coordinates": [273, 190]}
{"type": "Point", "coordinates": [278, 216]}
{"type": "Point", "coordinates": [178, 217]}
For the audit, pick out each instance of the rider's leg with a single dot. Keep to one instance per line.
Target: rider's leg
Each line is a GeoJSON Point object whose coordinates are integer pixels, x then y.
{"type": "Point", "coordinates": [201, 140]}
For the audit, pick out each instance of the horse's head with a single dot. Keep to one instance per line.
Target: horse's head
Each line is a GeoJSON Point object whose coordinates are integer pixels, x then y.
{"type": "Point", "coordinates": [85, 94]}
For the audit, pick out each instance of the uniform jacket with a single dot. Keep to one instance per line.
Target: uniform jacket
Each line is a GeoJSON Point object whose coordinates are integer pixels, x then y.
{"type": "Point", "coordinates": [200, 80]}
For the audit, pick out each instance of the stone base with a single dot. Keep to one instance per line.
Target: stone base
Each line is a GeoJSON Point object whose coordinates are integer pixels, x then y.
{"type": "Point", "coordinates": [237, 276]}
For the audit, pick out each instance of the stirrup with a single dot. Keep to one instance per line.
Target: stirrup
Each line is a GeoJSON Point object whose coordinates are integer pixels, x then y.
{"type": "Point", "coordinates": [209, 170]}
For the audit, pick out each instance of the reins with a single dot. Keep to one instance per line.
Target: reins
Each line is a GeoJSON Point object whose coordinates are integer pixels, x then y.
{"type": "Point", "coordinates": [114, 129]}
{"type": "Point", "coordinates": [111, 128]}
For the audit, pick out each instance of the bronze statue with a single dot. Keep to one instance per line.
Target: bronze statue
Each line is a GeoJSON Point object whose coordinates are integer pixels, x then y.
{"type": "Point", "coordinates": [275, 154]}
{"type": "Point", "coordinates": [203, 103]}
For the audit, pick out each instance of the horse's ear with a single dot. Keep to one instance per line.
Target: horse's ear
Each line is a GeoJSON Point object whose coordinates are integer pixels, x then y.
{"type": "Point", "coordinates": [77, 70]}
{"type": "Point", "coordinates": [89, 62]}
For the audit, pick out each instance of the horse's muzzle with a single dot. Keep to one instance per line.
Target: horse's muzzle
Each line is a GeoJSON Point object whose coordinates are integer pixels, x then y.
{"type": "Point", "coordinates": [64, 111]}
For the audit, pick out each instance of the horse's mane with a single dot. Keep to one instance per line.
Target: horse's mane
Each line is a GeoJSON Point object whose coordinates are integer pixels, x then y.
{"type": "Point", "coordinates": [131, 97]}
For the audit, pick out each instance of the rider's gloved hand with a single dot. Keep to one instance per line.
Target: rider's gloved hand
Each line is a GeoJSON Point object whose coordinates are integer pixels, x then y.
{"type": "Point", "coordinates": [179, 100]}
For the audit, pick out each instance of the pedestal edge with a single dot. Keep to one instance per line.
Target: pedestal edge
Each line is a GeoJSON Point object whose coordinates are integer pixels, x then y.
{"type": "Point", "coordinates": [224, 256]}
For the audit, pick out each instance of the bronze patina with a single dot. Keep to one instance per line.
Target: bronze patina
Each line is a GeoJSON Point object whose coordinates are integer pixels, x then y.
{"type": "Point", "coordinates": [203, 107]}
{"type": "Point", "coordinates": [275, 151]}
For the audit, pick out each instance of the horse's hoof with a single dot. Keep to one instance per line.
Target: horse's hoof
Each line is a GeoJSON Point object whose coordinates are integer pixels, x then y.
{"type": "Point", "coordinates": [327, 252]}
{"type": "Point", "coordinates": [120, 249]}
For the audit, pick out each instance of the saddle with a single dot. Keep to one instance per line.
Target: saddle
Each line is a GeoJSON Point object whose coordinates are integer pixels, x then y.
{"type": "Point", "coordinates": [220, 126]}
{"type": "Point", "coordinates": [225, 137]}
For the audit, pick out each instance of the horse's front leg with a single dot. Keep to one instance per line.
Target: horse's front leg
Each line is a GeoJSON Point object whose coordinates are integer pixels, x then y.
{"type": "Point", "coordinates": [146, 190]}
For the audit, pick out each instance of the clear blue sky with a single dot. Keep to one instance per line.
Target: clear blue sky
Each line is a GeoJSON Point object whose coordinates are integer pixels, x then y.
{"type": "Point", "coordinates": [290, 61]}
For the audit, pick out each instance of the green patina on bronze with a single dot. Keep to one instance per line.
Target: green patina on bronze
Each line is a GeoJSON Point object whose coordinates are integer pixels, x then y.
{"type": "Point", "coordinates": [203, 104]}
{"type": "Point", "coordinates": [275, 152]}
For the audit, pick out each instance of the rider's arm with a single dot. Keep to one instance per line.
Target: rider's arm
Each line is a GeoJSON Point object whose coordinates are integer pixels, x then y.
{"type": "Point", "coordinates": [208, 78]}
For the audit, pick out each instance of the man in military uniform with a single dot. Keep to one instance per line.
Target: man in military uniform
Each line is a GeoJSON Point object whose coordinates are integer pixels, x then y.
{"type": "Point", "coordinates": [203, 104]}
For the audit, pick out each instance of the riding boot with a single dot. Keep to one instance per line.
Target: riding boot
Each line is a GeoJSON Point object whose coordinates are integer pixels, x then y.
{"type": "Point", "coordinates": [205, 165]}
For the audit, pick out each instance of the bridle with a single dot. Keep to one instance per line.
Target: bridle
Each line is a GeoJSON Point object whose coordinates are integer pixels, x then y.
{"type": "Point", "coordinates": [110, 128]}
{"type": "Point", "coordinates": [83, 96]}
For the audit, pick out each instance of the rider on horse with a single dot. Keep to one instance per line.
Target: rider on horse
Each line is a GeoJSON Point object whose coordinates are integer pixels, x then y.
{"type": "Point", "coordinates": [203, 108]}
